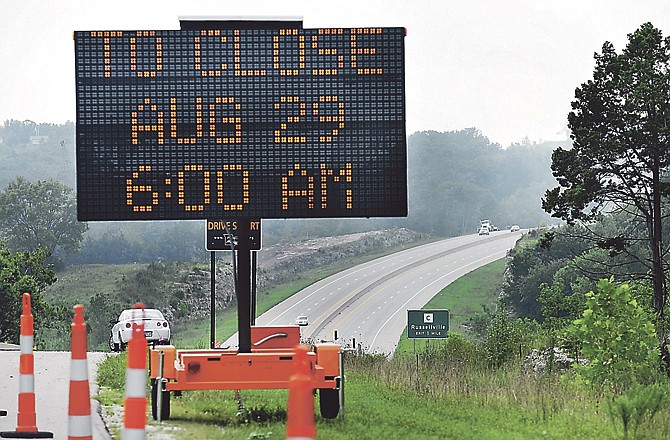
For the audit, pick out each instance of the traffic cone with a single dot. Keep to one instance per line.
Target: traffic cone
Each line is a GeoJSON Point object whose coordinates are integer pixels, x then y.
{"type": "Point", "coordinates": [135, 402]}
{"type": "Point", "coordinates": [300, 413]}
{"type": "Point", "coordinates": [26, 425]}
{"type": "Point", "coordinates": [79, 408]}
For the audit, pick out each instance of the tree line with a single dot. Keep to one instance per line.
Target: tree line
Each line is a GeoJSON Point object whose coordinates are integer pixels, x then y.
{"type": "Point", "coordinates": [454, 179]}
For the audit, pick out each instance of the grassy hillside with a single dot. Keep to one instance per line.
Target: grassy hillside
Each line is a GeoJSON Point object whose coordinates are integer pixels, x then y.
{"type": "Point", "coordinates": [77, 284]}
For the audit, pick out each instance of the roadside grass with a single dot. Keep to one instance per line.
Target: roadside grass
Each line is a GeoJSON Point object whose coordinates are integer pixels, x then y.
{"type": "Point", "coordinates": [400, 399]}
{"type": "Point", "coordinates": [76, 284]}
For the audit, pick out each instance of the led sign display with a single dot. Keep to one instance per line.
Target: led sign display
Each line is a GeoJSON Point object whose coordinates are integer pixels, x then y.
{"type": "Point", "coordinates": [253, 122]}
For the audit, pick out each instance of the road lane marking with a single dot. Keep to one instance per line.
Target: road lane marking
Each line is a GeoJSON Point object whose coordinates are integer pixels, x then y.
{"type": "Point", "coordinates": [422, 289]}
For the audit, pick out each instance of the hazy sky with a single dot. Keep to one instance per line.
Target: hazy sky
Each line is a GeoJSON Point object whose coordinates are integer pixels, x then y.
{"type": "Point", "coordinates": [506, 67]}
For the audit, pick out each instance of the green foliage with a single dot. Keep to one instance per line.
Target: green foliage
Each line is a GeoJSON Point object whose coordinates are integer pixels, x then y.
{"type": "Point", "coordinates": [112, 372]}
{"type": "Point", "coordinates": [456, 352]}
{"type": "Point", "coordinates": [105, 308]}
{"type": "Point", "coordinates": [42, 213]}
{"type": "Point", "coordinates": [638, 406]}
{"type": "Point", "coordinates": [534, 264]}
{"type": "Point", "coordinates": [618, 338]}
{"type": "Point", "coordinates": [560, 306]}
{"type": "Point", "coordinates": [506, 338]}
{"type": "Point", "coordinates": [24, 272]}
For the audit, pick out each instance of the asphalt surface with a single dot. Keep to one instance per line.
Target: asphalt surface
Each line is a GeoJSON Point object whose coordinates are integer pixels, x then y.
{"type": "Point", "coordinates": [52, 382]}
{"type": "Point", "coordinates": [368, 303]}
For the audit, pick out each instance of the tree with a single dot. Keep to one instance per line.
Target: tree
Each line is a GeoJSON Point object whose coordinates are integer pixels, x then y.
{"type": "Point", "coordinates": [42, 213]}
{"type": "Point", "coordinates": [23, 272]}
{"type": "Point", "coordinates": [620, 127]}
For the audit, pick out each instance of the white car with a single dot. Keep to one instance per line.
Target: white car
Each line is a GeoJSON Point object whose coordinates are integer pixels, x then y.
{"type": "Point", "coordinates": [484, 230]}
{"type": "Point", "coordinates": [514, 228]}
{"type": "Point", "coordinates": [301, 320]}
{"type": "Point", "coordinates": [156, 328]}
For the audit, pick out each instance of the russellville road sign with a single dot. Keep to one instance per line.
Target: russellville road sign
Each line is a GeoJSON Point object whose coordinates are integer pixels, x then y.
{"type": "Point", "coordinates": [427, 324]}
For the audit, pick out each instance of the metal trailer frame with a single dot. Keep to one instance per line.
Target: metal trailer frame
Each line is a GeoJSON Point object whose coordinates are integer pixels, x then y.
{"type": "Point", "coordinates": [263, 360]}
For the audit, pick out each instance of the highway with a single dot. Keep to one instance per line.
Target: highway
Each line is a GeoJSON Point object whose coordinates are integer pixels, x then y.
{"type": "Point", "coordinates": [369, 302]}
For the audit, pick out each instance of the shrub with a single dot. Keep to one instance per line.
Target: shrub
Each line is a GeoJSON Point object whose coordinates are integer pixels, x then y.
{"type": "Point", "coordinates": [618, 337]}
{"type": "Point", "coordinates": [506, 338]}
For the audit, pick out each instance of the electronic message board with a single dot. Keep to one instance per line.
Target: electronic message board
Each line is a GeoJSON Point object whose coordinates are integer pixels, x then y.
{"type": "Point", "coordinates": [251, 122]}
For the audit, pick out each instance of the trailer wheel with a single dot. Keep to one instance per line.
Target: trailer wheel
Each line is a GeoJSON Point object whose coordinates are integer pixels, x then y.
{"type": "Point", "coordinates": [165, 410]}
{"type": "Point", "coordinates": [329, 402]}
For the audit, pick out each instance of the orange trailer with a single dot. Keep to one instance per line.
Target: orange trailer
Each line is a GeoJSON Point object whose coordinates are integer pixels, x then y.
{"type": "Point", "coordinates": [264, 359]}
{"type": "Point", "coordinates": [268, 365]}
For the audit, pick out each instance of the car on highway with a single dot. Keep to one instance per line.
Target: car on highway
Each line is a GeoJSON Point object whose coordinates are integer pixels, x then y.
{"type": "Point", "coordinates": [301, 320]}
{"type": "Point", "coordinates": [156, 328]}
{"type": "Point", "coordinates": [514, 228]}
{"type": "Point", "coordinates": [484, 230]}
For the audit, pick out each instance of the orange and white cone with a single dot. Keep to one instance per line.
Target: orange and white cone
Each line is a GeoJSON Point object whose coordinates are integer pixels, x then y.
{"type": "Point", "coordinates": [300, 413]}
{"type": "Point", "coordinates": [135, 402]}
{"type": "Point", "coordinates": [26, 425]}
{"type": "Point", "coordinates": [79, 408]}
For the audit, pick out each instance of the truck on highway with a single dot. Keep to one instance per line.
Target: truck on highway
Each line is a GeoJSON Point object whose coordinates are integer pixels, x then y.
{"type": "Point", "coordinates": [484, 227]}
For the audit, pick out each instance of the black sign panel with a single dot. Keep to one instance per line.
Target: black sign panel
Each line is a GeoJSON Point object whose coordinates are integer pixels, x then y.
{"type": "Point", "coordinates": [221, 235]}
{"type": "Point", "coordinates": [256, 123]}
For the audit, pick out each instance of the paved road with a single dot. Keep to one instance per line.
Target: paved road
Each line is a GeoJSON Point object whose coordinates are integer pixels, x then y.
{"type": "Point", "coordinates": [369, 302]}
{"type": "Point", "coordinates": [52, 381]}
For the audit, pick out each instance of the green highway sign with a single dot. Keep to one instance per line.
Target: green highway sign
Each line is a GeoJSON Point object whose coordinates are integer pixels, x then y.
{"type": "Point", "coordinates": [427, 324]}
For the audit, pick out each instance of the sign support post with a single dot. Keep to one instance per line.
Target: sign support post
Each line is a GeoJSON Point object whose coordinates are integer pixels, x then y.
{"type": "Point", "coordinates": [212, 301]}
{"type": "Point", "coordinates": [243, 288]}
{"type": "Point", "coordinates": [254, 263]}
